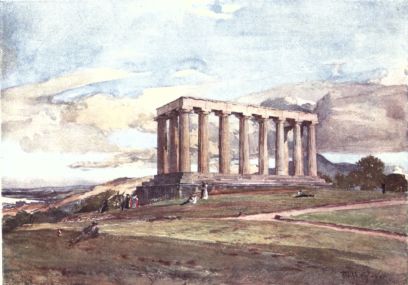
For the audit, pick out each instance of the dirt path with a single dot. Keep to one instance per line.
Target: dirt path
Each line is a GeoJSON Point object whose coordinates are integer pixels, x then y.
{"type": "Point", "coordinates": [282, 217]}
{"type": "Point", "coordinates": [271, 216]}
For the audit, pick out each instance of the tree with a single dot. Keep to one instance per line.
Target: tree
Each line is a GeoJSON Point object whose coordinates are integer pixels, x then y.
{"type": "Point", "coordinates": [343, 181]}
{"type": "Point", "coordinates": [369, 173]}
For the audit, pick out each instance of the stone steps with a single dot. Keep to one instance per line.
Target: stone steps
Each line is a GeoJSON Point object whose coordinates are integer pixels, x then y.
{"type": "Point", "coordinates": [176, 185]}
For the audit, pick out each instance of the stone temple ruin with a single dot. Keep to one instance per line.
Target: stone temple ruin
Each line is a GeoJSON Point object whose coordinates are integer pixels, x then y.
{"type": "Point", "coordinates": [174, 176]}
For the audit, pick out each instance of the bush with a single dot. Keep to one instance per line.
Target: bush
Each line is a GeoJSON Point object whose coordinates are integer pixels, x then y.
{"type": "Point", "coordinates": [94, 202]}
{"type": "Point", "coordinates": [53, 215]}
{"type": "Point", "coordinates": [326, 178]}
{"type": "Point", "coordinates": [343, 181]}
{"type": "Point", "coordinates": [12, 222]}
{"type": "Point", "coordinates": [395, 182]}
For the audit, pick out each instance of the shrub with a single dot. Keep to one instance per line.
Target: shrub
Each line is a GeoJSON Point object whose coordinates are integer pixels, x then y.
{"type": "Point", "coordinates": [395, 182]}
{"type": "Point", "coordinates": [12, 222]}
{"type": "Point", "coordinates": [93, 203]}
{"type": "Point", "coordinates": [326, 178]}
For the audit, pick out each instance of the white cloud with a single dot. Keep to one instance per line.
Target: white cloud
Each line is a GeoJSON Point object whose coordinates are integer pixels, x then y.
{"type": "Point", "coordinates": [44, 168]}
{"type": "Point", "coordinates": [65, 82]}
{"type": "Point", "coordinates": [192, 74]}
{"type": "Point", "coordinates": [397, 75]}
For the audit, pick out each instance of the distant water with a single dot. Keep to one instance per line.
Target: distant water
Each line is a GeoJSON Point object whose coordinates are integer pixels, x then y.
{"type": "Point", "coordinates": [391, 159]}
{"type": "Point", "coordinates": [9, 200]}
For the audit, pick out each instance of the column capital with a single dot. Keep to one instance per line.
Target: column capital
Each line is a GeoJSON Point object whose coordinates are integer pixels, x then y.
{"type": "Point", "coordinates": [203, 111]}
{"type": "Point", "coordinates": [184, 110]}
{"type": "Point", "coordinates": [311, 123]}
{"type": "Point", "coordinates": [173, 113]}
{"type": "Point", "coordinates": [243, 115]}
{"type": "Point", "coordinates": [161, 117]}
{"type": "Point", "coordinates": [221, 113]}
{"type": "Point", "coordinates": [261, 117]}
{"type": "Point", "coordinates": [294, 122]}
{"type": "Point", "coordinates": [279, 119]}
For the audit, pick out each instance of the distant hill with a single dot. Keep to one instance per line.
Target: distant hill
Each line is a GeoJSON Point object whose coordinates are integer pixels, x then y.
{"type": "Point", "coordinates": [329, 168]}
{"type": "Point", "coordinates": [324, 166]}
{"type": "Point", "coordinates": [79, 199]}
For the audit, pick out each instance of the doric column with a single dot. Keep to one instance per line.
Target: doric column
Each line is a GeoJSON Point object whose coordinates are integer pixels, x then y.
{"type": "Point", "coordinates": [203, 141]}
{"type": "Point", "coordinates": [174, 142]}
{"type": "Point", "coordinates": [243, 145]}
{"type": "Point", "coordinates": [279, 149]}
{"type": "Point", "coordinates": [224, 143]}
{"type": "Point", "coordinates": [311, 149]}
{"type": "Point", "coordinates": [184, 140]}
{"type": "Point", "coordinates": [286, 150]}
{"type": "Point", "coordinates": [162, 159]}
{"type": "Point", "coordinates": [263, 160]}
{"type": "Point", "coordinates": [297, 149]}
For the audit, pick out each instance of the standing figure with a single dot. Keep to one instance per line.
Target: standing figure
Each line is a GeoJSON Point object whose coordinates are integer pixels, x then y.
{"type": "Point", "coordinates": [127, 200]}
{"type": "Point", "coordinates": [122, 202]}
{"type": "Point", "coordinates": [135, 203]}
{"type": "Point", "coordinates": [204, 191]}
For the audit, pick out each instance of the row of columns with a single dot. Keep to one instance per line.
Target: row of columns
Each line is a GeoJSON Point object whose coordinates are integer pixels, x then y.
{"type": "Point", "coordinates": [177, 157]}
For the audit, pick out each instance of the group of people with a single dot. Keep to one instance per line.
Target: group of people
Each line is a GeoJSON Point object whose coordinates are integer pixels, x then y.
{"type": "Point", "coordinates": [123, 201]}
{"type": "Point", "coordinates": [128, 202]}
{"type": "Point", "coordinates": [194, 196]}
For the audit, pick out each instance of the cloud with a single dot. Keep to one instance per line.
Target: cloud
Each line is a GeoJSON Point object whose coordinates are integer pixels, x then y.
{"type": "Point", "coordinates": [62, 83]}
{"type": "Point", "coordinates": [141, 156]}
{"type": "Point", "coordinates": [397, 75]}
{"type": "Point", "coordinates": [214, 9]}
{"type": "Point", "coordinates": [109, 113]}
{"type": "Point", "coordinates": [85, 122]}
{"type": "Point", "coordinates": [45, 168]}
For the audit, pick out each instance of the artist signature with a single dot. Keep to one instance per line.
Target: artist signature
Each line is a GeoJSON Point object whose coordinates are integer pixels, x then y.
{"type": "Point", "coordinates": [363, 275]}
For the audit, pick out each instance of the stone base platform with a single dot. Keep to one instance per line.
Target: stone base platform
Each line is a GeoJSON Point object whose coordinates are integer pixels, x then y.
{"type": "Point", "coordinates": [182, 185]}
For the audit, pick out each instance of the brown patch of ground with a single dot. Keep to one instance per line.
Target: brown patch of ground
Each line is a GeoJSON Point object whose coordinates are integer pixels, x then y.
{"type": "Point", "coordinates": [153, 260]}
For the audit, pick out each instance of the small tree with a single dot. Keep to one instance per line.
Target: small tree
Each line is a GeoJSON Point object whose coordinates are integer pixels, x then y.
{"type": "Point", "coordinates": [343, 181]}
{"type": "Point", "coordinates": [369, 173]}
{"type": "Point", "coordinates": [326, 178]}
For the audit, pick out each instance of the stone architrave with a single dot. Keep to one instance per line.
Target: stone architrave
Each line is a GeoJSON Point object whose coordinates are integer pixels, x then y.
{"type": "Point", "coordinates": [243, 145]}
{"type": "Point", "coordinates": [184, 141]}
{"type": "Point", "coordinates": [297, 149]}
{"type": "Point", "coordinates": [203, 142]}
{"type": "Point", "coordinates": [311, 148]}
{"type": "Point", "coordinates": [224, 143]}
{"type": "Point", "coordinates": [162, 155]}
{"type": "Point", "coordinates": [263, 159]}
{"type": "Point", "coordinates": [279, 150]}
{"type": "Point", "coordinates": [174, 142]}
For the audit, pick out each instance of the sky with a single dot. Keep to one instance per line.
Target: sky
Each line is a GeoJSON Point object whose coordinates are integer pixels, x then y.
{"type": "Point", "coordinates": [81, 79]}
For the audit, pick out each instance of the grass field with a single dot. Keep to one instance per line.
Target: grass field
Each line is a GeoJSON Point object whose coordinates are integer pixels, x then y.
{"type": "Point", "coordinates": [388, 218]}
{"type": "Point", "coordinates": [252, 203]}
{"type": "Point", "coordinates": [171, 244]}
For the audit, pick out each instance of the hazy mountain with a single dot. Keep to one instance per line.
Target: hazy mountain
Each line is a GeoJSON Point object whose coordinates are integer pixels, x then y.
{"type": "Point", "coordinates": [329, 168]}
{"type": "Point", "coordinates": [363, 119]}
{"type": "Point", "coordinates": [353, 117]}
